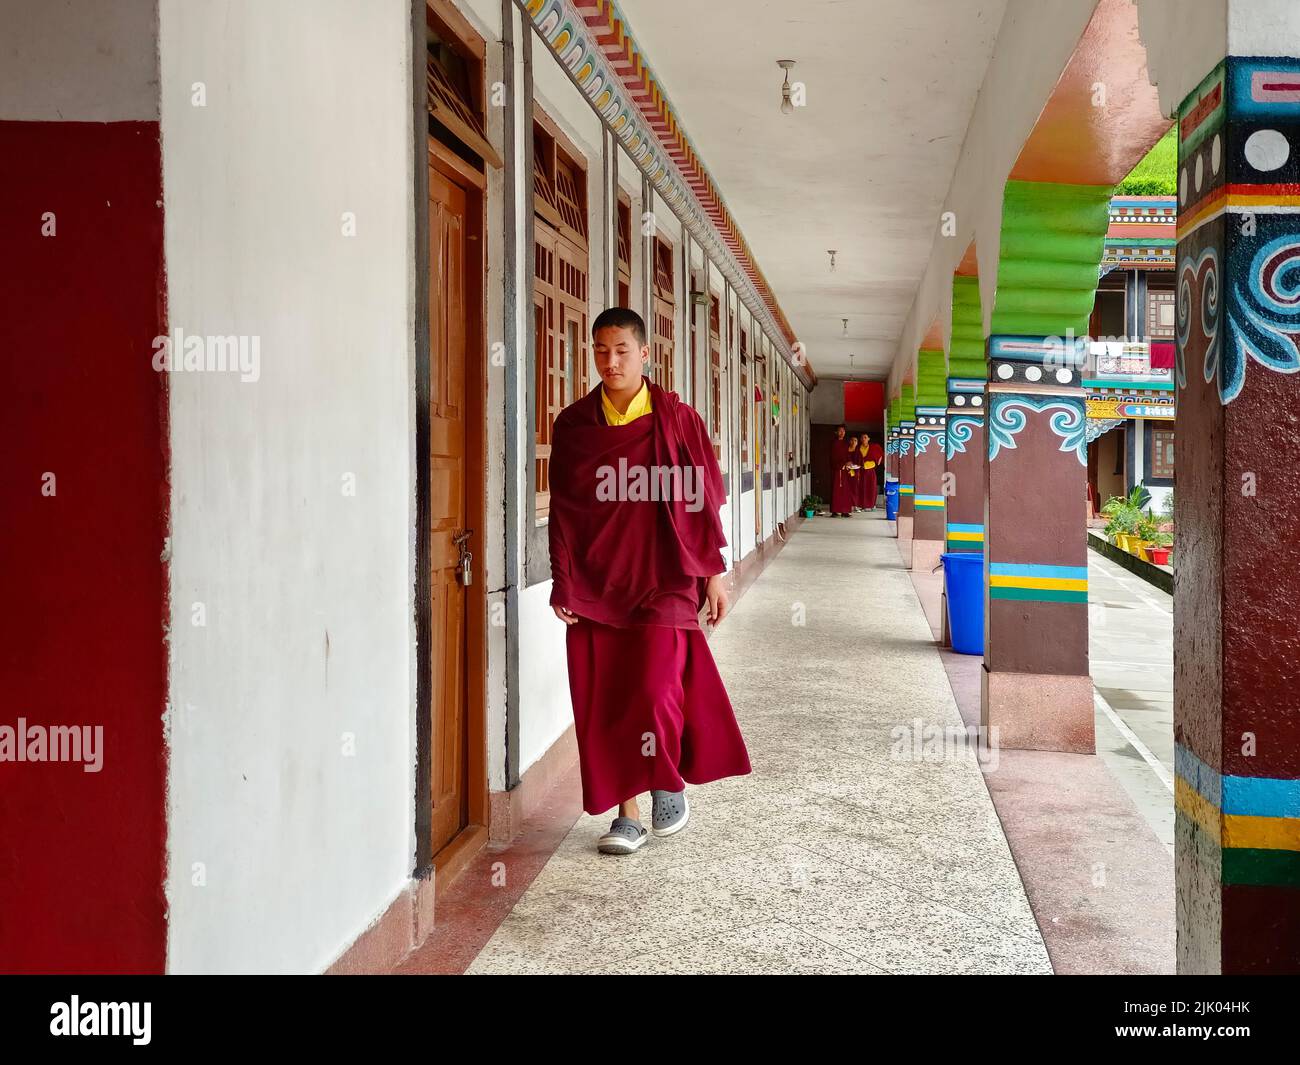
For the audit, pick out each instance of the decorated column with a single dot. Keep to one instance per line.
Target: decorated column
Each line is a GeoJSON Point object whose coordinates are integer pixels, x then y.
{"type": "Point", "coordinates": [964, 452]}
{"type": "Point", "coordinates": [893, 416]}
{"type": "Point", "coordinates": [928, 499]}
{"type": "Point", "coordinates": [907, 470]}
{"type": "Point", "coordinates": [1037, 691]}
{"type": "Point", "coordinates": [1237, 514]}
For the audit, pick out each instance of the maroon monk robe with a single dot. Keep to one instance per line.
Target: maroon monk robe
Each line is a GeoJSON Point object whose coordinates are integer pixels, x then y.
{"type": "Point", "coordinates": [859, 478]}
{"type": "Point", "coordinates": [841, 482]}
{"type": "Point", "coordinates": [650, 709]}
{"type": "Point", "coordinates": [871, 477]}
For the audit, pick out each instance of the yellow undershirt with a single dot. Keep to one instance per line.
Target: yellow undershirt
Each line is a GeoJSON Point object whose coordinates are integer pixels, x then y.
{"type": "Point", "coordinates": [638, 408]}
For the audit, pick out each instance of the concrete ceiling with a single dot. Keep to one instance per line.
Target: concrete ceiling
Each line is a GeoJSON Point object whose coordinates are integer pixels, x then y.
{"type": "Point", "coordinates": [863, 168]}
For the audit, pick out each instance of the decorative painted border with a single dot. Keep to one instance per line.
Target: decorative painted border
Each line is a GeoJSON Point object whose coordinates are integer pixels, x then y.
{"type": "Point", "coordinates": [907, 489]}
{"type": "Point", "coordinates": [958, 434]}
{"type": "Point", "coordinates": [1046, 351]}
{"type": "Point", "coordinates": [594, 43]}
{"type": "Point", "coordinates": [964, 536]}
{"type": "Point", "coordinates": [933, 502]}
{"type": "Point", "coordinates": [925, 437]}
{"type": "Point", "coordinates": [1255, 820]}
{"type": "Point", "coordinates": [1141, 231]}
{"type": "Point", "coordinates": [1046, 584]}
{"type": "Point", "coordinates": [1009, 413]}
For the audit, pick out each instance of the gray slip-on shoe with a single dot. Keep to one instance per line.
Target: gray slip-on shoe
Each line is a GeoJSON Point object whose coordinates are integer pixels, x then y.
{"type": "Point", "coordinates": [624, 836]}
{"type": "Point", "coordinates": [671, 812]}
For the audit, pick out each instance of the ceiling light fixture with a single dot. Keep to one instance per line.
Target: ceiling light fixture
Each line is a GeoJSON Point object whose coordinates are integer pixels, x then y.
{"type": "Point", "coordinates": [787, 108]}
{"type": "Point", "coordinates": [846, 326]}
{"type": "Point", "coordinates": [832, 255]}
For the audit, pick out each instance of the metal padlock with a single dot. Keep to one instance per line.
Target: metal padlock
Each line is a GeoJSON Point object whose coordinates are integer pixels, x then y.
{"type": "Point", "coordinates": [464, 573]}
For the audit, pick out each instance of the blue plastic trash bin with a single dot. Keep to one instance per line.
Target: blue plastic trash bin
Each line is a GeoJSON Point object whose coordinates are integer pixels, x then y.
{"type": "Point", "coordinates": [891, 501]}
{"type": "Point", "coordinates": [963, 579]}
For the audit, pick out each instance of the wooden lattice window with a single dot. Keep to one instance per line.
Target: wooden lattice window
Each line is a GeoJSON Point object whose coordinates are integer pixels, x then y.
{"type": "Point", "coordinates": [571, 194]}
{"type": "Point", "coordinates": [665, 316]}
{"type": "Point", "coordinates": [1162, 454]}
{"type": "Point", "coordinates": [746, 400]}
{"type": "Point", "coordinates": [664, 269]}
{"type": "Point", "coordinates": [561, 270]}
{"type": "Point", "coordinates": [715, 374]}
{"type": "Point", "coordinates": [624, 251]}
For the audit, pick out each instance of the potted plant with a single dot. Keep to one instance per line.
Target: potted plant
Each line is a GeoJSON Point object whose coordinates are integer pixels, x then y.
{"type": "Point", "coordinates": [1146, 535]}
{"type": "Point", "coordinates": [1123, 514]}
{"type": "Point", "coordinates": [1162, 544]}
{"type": "Point", "coordinates": [810, 504]}
{"type": "Point", "coordinates": [1121, 523]}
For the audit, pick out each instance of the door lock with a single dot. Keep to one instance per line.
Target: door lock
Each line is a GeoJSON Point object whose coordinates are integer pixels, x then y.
{"type": "Point", "coordinates": [464, 569]}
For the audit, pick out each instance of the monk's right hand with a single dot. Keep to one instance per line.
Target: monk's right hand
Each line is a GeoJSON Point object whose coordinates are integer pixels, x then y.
{"type": "Point", "coordinates": [566, 615]}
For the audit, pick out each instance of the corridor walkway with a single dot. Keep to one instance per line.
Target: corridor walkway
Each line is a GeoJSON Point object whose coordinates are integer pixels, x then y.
{"type": "Point", "coordinates": [834, 855]}
{"type": "Point", "coordinates": [1131, 650]}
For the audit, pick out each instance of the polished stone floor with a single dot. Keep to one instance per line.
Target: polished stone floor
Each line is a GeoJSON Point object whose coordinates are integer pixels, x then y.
{"type": "Point", "coordinates": [858, 844]}
{"type": "Point", "coordinates": [1132, 658]}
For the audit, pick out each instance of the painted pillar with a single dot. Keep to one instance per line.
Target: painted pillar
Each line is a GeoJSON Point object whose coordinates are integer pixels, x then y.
{"type": "Point", "coordinates": [1037, 692]}
{"type": "Point", "coordinates": [1237, 511]}
{"type": "Point", "coordinates": [964, 451]}
{"type": "Point", "coordinates": [931, 412]}
{"type": "Point", "coordinates": [906, 469]}
{"type": "Point", "coordinates": [928, 526]}
{"type": "Point", "coordinates": [893, 416]}
{"type": "Point", "coordinates": [906, 488]}
{"type": "Point", "coordinates": [964, 466]}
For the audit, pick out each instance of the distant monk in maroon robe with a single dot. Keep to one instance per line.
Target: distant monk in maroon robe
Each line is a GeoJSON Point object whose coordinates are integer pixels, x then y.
{"type": "Point", "coordinates": [636, 552]}
{"type": "Point", "coordinates": [841, 482]}
{"type": "Point", "coordinates": [870, 456]}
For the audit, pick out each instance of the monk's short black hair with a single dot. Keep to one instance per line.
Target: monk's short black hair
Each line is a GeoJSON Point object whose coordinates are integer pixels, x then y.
{"type": "Point", "coordinates": [620, 318]}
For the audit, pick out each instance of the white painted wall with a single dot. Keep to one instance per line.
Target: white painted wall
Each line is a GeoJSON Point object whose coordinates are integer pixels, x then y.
{"type": "Point", "coordinates": [308, 592]}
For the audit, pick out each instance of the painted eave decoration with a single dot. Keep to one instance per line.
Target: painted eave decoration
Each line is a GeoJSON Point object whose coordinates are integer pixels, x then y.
{"type": "Point", "coordinates": [593, 42]}
{"type": "Point", "coordinates": [1142, 232]}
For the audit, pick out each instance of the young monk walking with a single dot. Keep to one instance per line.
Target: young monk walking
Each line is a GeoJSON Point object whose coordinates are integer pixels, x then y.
{"type": "Point", "coordinates": [636, 552]}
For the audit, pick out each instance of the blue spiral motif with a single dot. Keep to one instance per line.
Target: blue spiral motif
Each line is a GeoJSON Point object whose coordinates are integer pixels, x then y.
{"type": "Point", "coordinates": [959, 434]}
{"type": "Point", "coordinates": [1009, 416]}
{"type": "Point", "coordinates": [925, 437]}
{"type": "Point", "coordinates": [1264, 320]}
{"type": "Point", "coordinates": [904, 445]}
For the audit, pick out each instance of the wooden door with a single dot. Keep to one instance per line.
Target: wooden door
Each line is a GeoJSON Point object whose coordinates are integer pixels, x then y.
{"type": "Point", "coordinates": [449, 312]}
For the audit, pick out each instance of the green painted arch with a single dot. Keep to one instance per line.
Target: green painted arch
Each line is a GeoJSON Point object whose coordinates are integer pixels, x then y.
{"type": "Point", "coordinates": [907, 405]}
{"type": "Point", "coordinates": [895, 412]}
{"type": "Point", "coordinates": [931, 378]}
{"type": "Point", "coordinates": [1052, 242]}
{"type": "Point", "coordinates": [966, 357]}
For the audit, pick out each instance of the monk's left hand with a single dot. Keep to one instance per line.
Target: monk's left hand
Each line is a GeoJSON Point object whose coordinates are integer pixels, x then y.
{"type": "Point", "coordinates": [716, 593]}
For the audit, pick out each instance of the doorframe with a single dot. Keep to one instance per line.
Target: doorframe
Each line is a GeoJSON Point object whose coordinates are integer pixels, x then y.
{"type": "Point", "coordinates": [431, 153]}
